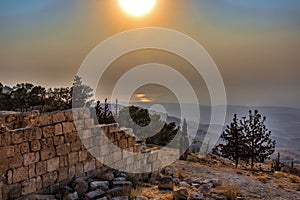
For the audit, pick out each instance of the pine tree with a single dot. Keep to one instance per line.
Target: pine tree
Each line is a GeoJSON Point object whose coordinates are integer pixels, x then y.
{"type": "Point", "coordinates": [259, 144]}
{"type": "Point", "coordinates": [234, 147]}
{"type": "Point", "coordinates": [184, 141]}
{"type": "Point", "coordinates": [81, 93]}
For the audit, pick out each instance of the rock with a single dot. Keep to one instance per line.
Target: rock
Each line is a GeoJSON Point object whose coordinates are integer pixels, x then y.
{"type": "Point", "coordinates": [73, 196]}
{"type": "Point", "coordinates": [196, 197]}
{"type": "Point", "coordinates": [104, 185]}
{"type": "Point", "coordinates": [216, 182]}
{"type": "Point", "coordinates": [166, 183]}
{"type": "Point", "coordinates": [141, 198]}
{"type": "Point", "coordinates": [103, 198]}
{"type": "Point", "coordinates": [176, 181]}
{"type": "Point", "coordinates": [106, 176]}
{"type": "Point", "coordinates": [118, 191]}
{"type": "Point", "coordinates": [120, 198]}
{"type": "Point", "coordinates": [40, 197]}
{"type": "Point", "coordinates": [197, 181]}
{"type": "Point", "coordinates": [181, 194]}
{"type": "Point", "coordinates": [184, 184]}
{"type": "Point", "coordinates": [189, 180]}
{"type": "Point", "coordinates": [95, 194]}
{"type": "Point", "coordinates": [81, 188]}
{"type": "Point", "coordinates": [159, 176]}
{"type": "Point", "coordinates": [125, 185]}
{"type": "Point", "coordinates": [169, 171]}
{"type": "Point", "coordinates": [206, 187]}
{"type": "Point", "coordinates": [120, 179]}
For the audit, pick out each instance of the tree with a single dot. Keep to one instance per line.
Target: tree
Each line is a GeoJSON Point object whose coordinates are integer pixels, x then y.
{"type": "Point", "coordinates": [234, 147]}
{"type": "Point", "coordinates": [81, 93]}
{"type": "Point", "coordinates": [184, 141]}
{"type": "Point", "coordinates": [165, 135]}
{"type": "Point", "coordinates": [247, 139]}
{"type": "Point", "coordinates": [259, 144]}
{"type": "Point", "coordinates": [58, 99]}
{"type": "Point", "coordinates": [104, 114]}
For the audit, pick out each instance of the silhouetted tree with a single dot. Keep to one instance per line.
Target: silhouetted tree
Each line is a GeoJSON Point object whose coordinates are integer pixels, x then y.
{"type": "Point", "coordinates": [103, 113]}
{"type": "Point", "coordinates": [81, 93]}
{"type": "Point", "coordinates": [259, 144]}
{"type": "Point", "coordinates": [184, 141]}
{"type": "Point", "coordinates": [235, 142]}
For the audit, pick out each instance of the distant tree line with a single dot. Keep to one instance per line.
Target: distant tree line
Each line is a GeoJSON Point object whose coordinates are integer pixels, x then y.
{"type": "Point", "coordinates": [25, 97]}
{"type": "Point", "coordinates": [246, 139]}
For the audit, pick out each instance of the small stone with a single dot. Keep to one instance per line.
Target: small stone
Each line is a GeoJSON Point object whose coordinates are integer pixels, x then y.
{"type": "Point", "coordinates": [120, 198]}
{"type": "Point", "coordinates": [181, 194]}
{"type": "Point", "coordinates": [95, 194]}
{"type": "Point", "coordinates": [106, 176]}
{"type": "Point", "coordinates": [184, 184]}
{"type": "Point", "coordinates": [169, 171]}
{"type": "Point", "coordinates": [120, 179]}
{"type": "Point", "coordinates": [206, 187]}
{"type": "Point", "coordinates": [196, 197]}
{"type": "Point", "coordinates": [73, 196]}
{"type": "Point", "coordinates": [216, 182]}
{"type": "Point", "coordinates": [81, 188]}
{"type": "Point", "coordinates": [166, 183]}
{"type": "Point", "coordinates": [99, 184]}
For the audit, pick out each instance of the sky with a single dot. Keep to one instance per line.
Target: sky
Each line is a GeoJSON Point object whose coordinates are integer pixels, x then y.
{"type": "Point", "coordinates": [255, 44]}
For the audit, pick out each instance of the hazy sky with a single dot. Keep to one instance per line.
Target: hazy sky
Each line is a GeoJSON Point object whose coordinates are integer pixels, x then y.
{"type": "Point", "coordinates": [255, 43]}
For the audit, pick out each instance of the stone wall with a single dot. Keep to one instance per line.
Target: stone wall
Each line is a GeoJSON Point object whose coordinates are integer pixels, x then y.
{"type": "Point", "coordinates": [48, 150]}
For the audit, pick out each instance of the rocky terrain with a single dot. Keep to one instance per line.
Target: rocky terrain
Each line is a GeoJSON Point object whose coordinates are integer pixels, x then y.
{"type": "Point", "coordinates": [193, 179]}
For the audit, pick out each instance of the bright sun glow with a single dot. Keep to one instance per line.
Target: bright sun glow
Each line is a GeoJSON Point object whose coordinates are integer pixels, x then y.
{"type": "Point", "coordinates": [137, 7]}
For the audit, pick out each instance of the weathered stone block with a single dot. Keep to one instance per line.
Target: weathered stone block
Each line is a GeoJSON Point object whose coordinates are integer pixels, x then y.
{"type": "Point", "coordinates": [43, 120]}
{"type": "Point", "coordinates": [41, 168]}
{"type": "Point", "coordinates": [63, 174]}
{"type": "Point", "coordinates": [113, 127]}
{"type": "Point", "coordinates": [131, 141]}
{"type": "Point", "coordinates": [47, 143]}
{"type": "Point", "coordinates": [71, 137]}
{"type": "Point", "coordinates": [16, 161]}
{"type": "Point", "coordinates": [82, 155]}
{"type": "Point", "coordinates": [31, 158]}
{"type": "Point", "coordinates": [35, 145]}
{"type": "Point", "coordinates": [73, 158]}
{"type": "Point", "coordinates": [17, 136]}
{"type": "Point", "coordinates": [49, 179]}
{"type": "Point", "coordinates": [47, 153]}
{"type": "Point", "coordinates": [5, 138]}
{"type": "Point", "coordinates": [53, 164]}
{"type": "Point", "coordinates": [63, 161]}
{"type": "Point", "coordinates": [20, 174]}
{"type": "Point", "coordinates": [85, 133]}
{"type": "Point", "coordinates": [22, 148]}
{"type": "Point", "coordinates": [28, 186]}
{"type": "Point", "coordinates": [89, 165]}
{"type": "Point", "coordinates": [63, 149]}
{"type": "Point", "coordinates": [72, 171]}
{"type": "Point", "coordinates": [58, 140]}
{"type": "Point", "coordinates": [89, 123]}
{"type": "Point", "coordinates": [76, 146]}
{"type": "Point", "coordinates": [79, 124]}
{"type": "Point", "coordinates": [68, 115]}
{"type": "Point", "coordinates": [78, 168]}
{"type": "Point", "coordinates": [6, 152]}
{"type": "Point", "coordinates": [48, 131]}
{"type": "Point", "coordinates": [58, 129]}
{"type": "Point", "coordinates": [31, 172]}
{"type": "Point", "coordinates": [36, 133]}
{"type": "Point", "coordinates": [68, 127]}
{"type": "Point", "coordinates": [3, 165]}
{"type": "Point", "coordinates": [58, 117]}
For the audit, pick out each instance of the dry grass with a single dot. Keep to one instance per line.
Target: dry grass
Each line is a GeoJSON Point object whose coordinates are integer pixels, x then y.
{"type": "Point", "coordinates": [263, 178]}
{"type": "Point", "coordinates": [168, 196]}
{"type": "Point", "coordinates": [229, 190]}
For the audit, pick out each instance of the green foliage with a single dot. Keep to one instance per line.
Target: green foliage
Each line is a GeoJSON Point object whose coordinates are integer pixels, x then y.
{"type": "Point", "coordinates": [81, 93]}
{"type": "Point", "coordinates": [26, 96]}
{"type": "Point", "coordinates": [247, 139]}
{"type": "Point", "coordinates": [103, 113]}
{"type": "Point", "coordinates": [165, 135]}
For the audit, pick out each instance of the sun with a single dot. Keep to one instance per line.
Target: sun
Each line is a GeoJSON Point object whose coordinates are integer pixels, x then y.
{"type": "Point", "coordinates": [137, 7]}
